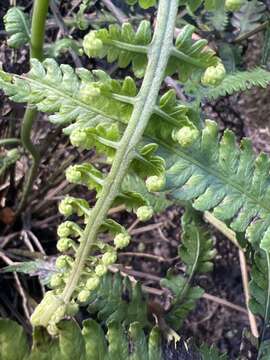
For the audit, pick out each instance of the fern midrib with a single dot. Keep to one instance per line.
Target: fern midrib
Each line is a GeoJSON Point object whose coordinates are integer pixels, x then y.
{"type": "Point", "coordinates": [146, 100]}
{"type": "Point", "coordinates": [122, 98]}
{"type": "Point", "coordinates": [213, 172]}
{"type": "Point", "coordinates": [143, 49]}
{"type": "Point", "coordinates": [69, 97]}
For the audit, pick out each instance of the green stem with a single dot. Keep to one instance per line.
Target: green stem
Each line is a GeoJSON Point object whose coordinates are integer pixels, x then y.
{"type": "Point", "coordinates": [11, 141]}
{"type": "Point", "coordinates": [40, 11]}
{"type": "Point", "coordinates": [159, 53]}
{"type": "Point", "coordinates": [39, 16]}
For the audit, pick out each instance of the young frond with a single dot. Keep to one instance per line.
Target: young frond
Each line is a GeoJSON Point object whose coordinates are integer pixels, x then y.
{"type": "Point", "coordinates": [17, 25]}
{"type": "Point", "coordinates": [8, 159]}
{"type": "Point", "coordinates": [196, 250]}
{"type": "Point", "coordinates": [249, 16]}
{"type": "Point", "coordinates": [184, 298]}
{"type": "Point", "coordinates": [239, 81]}
{"type": "Point", "coordinates": [127, 47]}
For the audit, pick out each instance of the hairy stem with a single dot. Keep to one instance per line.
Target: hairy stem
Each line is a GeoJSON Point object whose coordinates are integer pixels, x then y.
{"type": "Point", "coordinates": [40, 11]}
{"type": "Point", "coordinates": [159, 53]}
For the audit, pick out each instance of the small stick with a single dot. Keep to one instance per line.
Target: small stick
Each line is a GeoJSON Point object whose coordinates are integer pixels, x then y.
{"type": "Point", "coordinates": [244, 272]}
{"type": "Point", "coordinates": [18, 285]}
{"type": "Point", "coordinates": [132, 274]}
{"type": "Point", "coordinates": [220, 226]}
{"type": "Point", "coordinates": [118, 14]}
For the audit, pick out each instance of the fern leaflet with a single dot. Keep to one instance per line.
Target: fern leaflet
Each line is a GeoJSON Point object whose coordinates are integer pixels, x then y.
{"type": "Point", "coordinates": [239, 81]}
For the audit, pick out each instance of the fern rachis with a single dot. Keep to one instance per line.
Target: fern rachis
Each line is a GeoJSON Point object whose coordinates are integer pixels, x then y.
{"type": "Point", "coordinates": [139, 119]}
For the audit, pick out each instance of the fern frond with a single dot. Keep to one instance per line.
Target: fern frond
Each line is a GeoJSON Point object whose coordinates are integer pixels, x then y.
{"type": "Point", "coordinates": [123, 45]}
{"type": "Point", "coordinates": [10, 349]}
{"type": "Point", "coordinates": [17, 25]}
{"type": "Point", "coordinates": [239, 81]}
{"type": "Point", "coordinates": [8, 159]}
{"type": "Point", "coordinates": [184, 299]}
{"type": "Point", "coordinates": [90, 343]}
{"type": "Point", "coordinates": [89, 98]}
{"type": "Point", "coordinates": [218, 17]}
{"type": "Point", "coordinates": [158, 202]}
{"type": "Point", "coordinates": [127, 303]}
{"type": "Point", "coordinates": [249, 16]}
{"type": "Point", "coordinates": [259, 303]}
{"type": "Point", "coordinates": [211, 353]}
{"type": "Point", "coordinates": [220, 176]}
{"type": "Point", "coordinates": [196, 249]}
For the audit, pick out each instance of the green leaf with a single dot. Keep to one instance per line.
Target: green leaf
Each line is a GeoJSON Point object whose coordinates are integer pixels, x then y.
{"type": "Point", "coordinates": [155, 345]}
{"type": "Point", "coordinates": [220, 176]}
{"type": "Point", "coordinates": [88, 98]}
{"type": "Point", "coordinates": [126, 309]}
{"type": "Point", "coordinates": [123, 45]}
{"type": "Point", "coordinates": [158, 202]}
{"type": "Point", "coordinates": [239, 81]}
{"type": "Point", "coordinates": [13, 341]}
{"type": "Point", "coordinates": [211, 353]}
{"type": "Point", "coordinates": [196, 250]}
{"type": "Point", "coordinates": [184, 299]}
{"type": "Point", "coordinates": [40, 268]}
{"type": "Point", "coordinates": [8, 160]}
{"type": "Point", "coordinates": [259, 286]}
{"type": "Point", "coordinates": [118, 342]}
{"type": "Point", "coordinates": [249, 16]}
{"type": "Point", "coordinates": [217, 17]}
{"type": "Point", "coordinates": [138, 339]}
{"type": "Point", "coordinates": [17, 25]}
{"type": "Point", "coordinates": [44, 346]}
{"type": "Point", "coordinates": [61, 46]}
{"type": "Point", "coordinates": [95, 341]}
{"type": "Point", "coordinates": [71, 341]}
{"type": "Point", "coordinates": [190, 56]}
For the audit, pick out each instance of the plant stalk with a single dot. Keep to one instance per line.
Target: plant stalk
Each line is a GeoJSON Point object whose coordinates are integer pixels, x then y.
{"type": "Point", "coordinates": [40, 11]}
{"type": "Point", "coordinates": [159, 53]}
{"type": "Point", "coordinates": [10, 141]}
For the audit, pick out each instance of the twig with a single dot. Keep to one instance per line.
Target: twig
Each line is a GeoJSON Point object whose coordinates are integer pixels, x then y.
{"type": "Point", "coordinates": [145, 228]}
{"type": "Point", "coordinates": [36, 241]}
{"type": "Point", "coordinates": [18, 285]}
{"type": "Point", "coordinates": [225, 303]}
{"type": "Point", "coordinates": [220, 226]}
{"type": "Point", "coordinates": [252, 32]}
{"type": "Point", "coordinates": [64, 30]}
{"type": "Point", "coordinates": [133, 225]}
{"type": "Point", "coordinates": [244, 272]}
{"type": "Point", "coordinates": [118, 14]}
{"type": "Point", "coordinates": [144, 255]}
{"type": "Point", "coordinates": [27, 241]}
{"type": "Point", "coordinates": [170, 82]}
{"type": "Point", "coordinates": [133, 274]}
